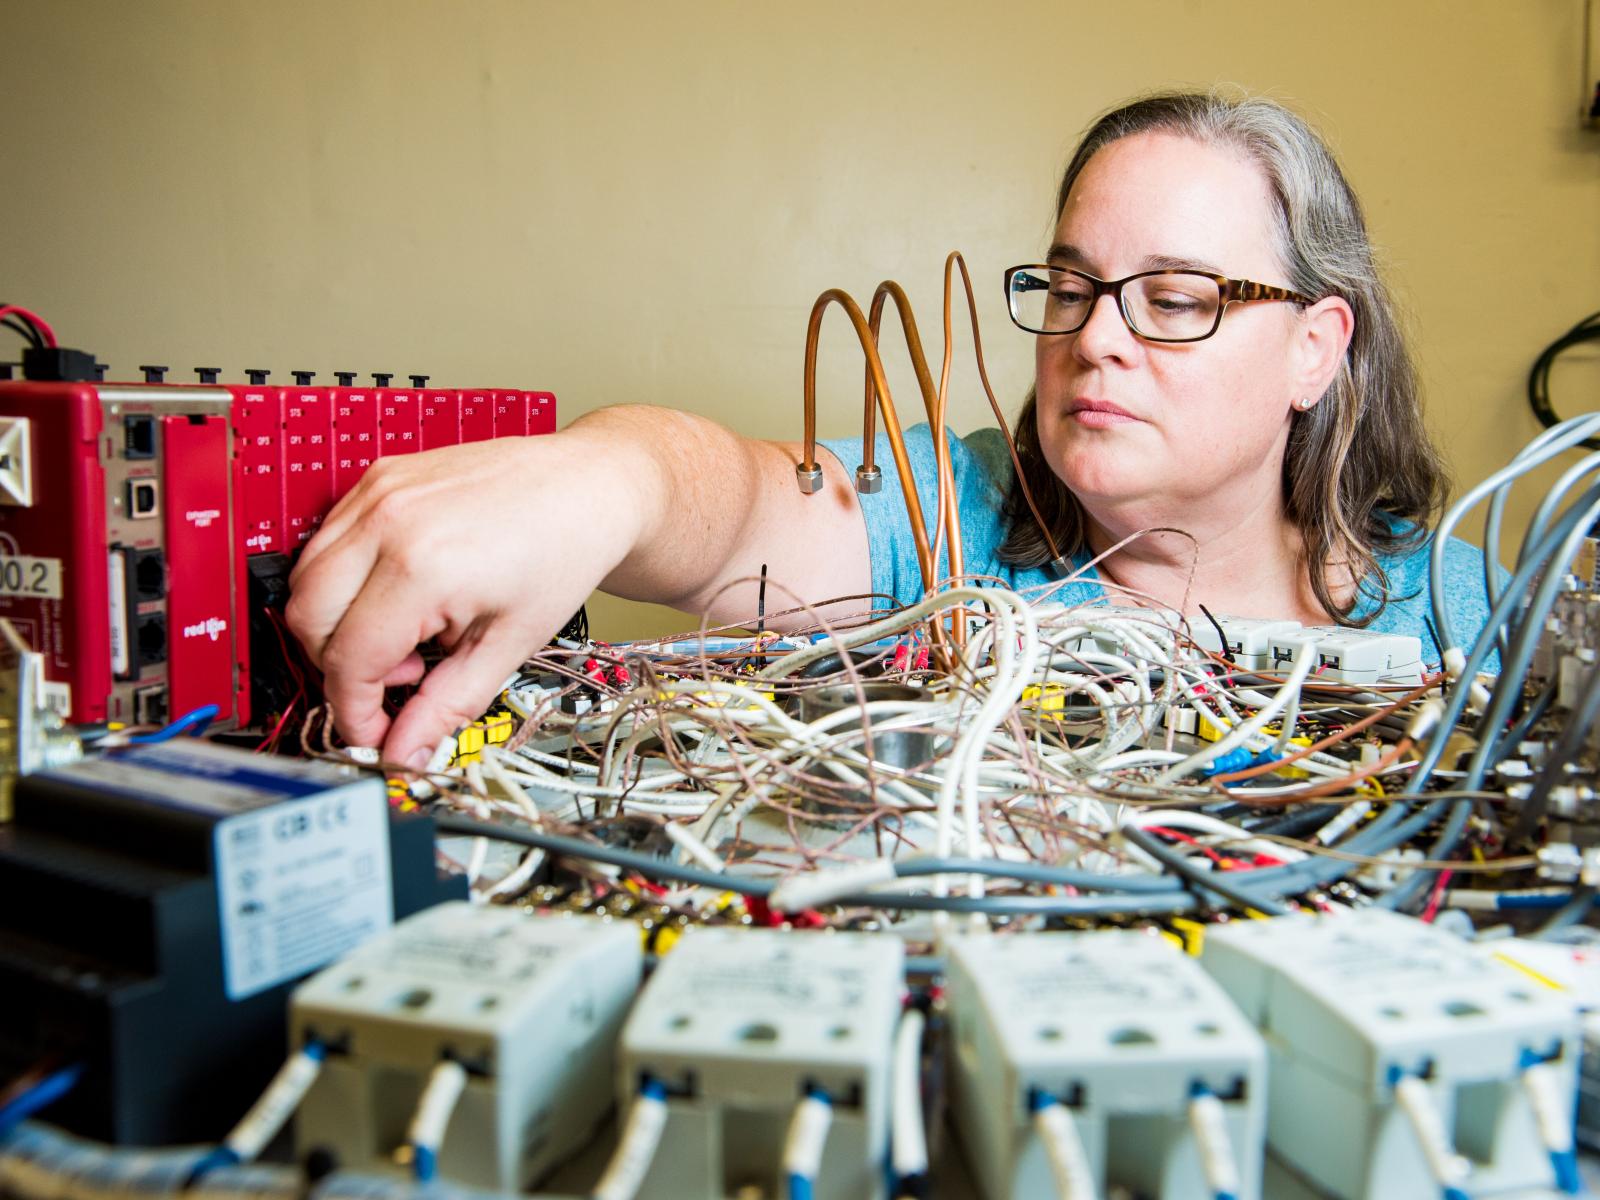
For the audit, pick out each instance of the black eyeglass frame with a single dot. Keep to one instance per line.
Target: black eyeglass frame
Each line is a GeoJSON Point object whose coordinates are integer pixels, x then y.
{"type": "Point", "coordinates": [1230, 291]}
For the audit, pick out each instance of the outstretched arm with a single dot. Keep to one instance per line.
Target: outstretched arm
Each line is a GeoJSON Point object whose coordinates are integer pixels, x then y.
{"type": "Point", "coordinates": [490, 547]}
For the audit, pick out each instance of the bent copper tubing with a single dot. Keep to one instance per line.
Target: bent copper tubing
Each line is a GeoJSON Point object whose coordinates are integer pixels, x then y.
{"type": "Point", "coordinates": [891, 423]}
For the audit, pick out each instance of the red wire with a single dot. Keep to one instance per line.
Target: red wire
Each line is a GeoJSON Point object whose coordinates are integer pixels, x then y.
{"type": "Point", "coordinates": [33, 319]}
{"type": "Point", "coordinates": [277, 729]}
{"type": "Point", "coordinates": [1429, 913]}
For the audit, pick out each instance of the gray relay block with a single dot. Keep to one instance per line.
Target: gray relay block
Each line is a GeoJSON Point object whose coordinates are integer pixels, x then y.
{"type": "Point", "coordinates": [736, 1024]}
{"type": "Point", "coordinates": [529, 1005]}
{"type": "Point", "coordinates": [1349, 1001]}
{"type": "Point", "coordinates": [1121, 1027]}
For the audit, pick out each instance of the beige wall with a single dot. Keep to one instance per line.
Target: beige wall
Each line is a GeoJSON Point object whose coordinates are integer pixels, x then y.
{"type": "Point", "coordinates": [639, 201]}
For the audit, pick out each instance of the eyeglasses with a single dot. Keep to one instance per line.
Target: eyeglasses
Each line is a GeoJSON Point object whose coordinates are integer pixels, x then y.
{"type": "Point", "coordinates": [1159, 306]}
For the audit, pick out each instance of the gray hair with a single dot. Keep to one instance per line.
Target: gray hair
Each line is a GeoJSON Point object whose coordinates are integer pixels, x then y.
{"type": "Point", "coordinates": [1360, 475]}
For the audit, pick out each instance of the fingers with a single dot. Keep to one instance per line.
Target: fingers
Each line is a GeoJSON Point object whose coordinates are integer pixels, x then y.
{"type": "Point", "coordinates": [375, 643]}
{"type": "Point", "coordinates": [455, 692]}
{"type": "Point", "coordinates": [323, 591]}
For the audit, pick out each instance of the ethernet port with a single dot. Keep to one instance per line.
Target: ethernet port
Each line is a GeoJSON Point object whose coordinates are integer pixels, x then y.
{"type": "Point", "coordinates": [150, 639]}
{"type": "Point", "coordinates": [143, 498]}
{"type": "Point", "coordinates": [139, 436]}
{"type": "Point", "coordinates": [150, 706]}
{"type": "Point", "coordinates": [149, 575]}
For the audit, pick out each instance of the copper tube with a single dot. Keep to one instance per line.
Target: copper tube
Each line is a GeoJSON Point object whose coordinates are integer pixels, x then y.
{"type": "Point", "coordinates": [988, 390]}
{"type": "Point", "coordinates": [891, 423]}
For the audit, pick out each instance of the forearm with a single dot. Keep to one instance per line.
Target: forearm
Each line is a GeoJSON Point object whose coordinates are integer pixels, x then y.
{"type": "Point", "coordinates": [709, 506]}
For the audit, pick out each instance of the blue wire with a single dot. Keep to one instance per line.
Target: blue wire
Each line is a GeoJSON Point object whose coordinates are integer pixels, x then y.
{"type": "Point", "coordinates": [424, 1163]}
{"type": "Point", "coordinates": [41, 1095]}
{"type": "Point", "coordinates": [1455, 1193]}
{"type": "Point", "coordinates": [214, 1160]}
{"type": "Point", "coordinates": [799, 1187]}
{"type": "Point", "coordinates": [191, 722]}
{"type": "Point", "coordinates": [1568, 1180]}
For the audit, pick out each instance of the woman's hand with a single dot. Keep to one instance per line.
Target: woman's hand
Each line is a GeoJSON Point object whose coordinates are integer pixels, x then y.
{"type": "Point", "coordinates": [489, 547]}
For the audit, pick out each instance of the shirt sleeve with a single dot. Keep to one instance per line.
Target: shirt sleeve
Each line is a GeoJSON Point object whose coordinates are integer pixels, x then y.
{"type": "Point", "coordinates": [895, 570]}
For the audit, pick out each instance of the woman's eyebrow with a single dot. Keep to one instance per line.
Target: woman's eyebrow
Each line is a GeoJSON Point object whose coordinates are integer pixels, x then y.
{"type": "Point", "coordinates": [1171, 262]}
{"type": "Point", "coordinates": [1066, 254]}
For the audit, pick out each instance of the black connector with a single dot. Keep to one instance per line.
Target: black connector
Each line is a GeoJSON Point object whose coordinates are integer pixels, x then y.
{"type": "Point", "coordinates": [58, 364]}
{"type": "Point", "coordinates": [208, 374]}
{"type": "Point", "coordinates": [256, 376]}
{"type": "Point", "coordinates": [150, 640]}
{"type": "Point", "coordinates": [382, 378]}
{"type": "Point", "coordinates": [153, 373]}
{"type": "Point", "coordinates": [419, 381]}
{"type": "Point", "coordinates": [139, 436]}
{"type": "Point", "coordinates": [303, 378]}
{"type": "Point", "coordinates": [345, 378]}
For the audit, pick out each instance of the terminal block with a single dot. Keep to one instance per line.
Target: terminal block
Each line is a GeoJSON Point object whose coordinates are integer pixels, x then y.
{"type": "Point", "coordinates": [738, 1026]}
{"type": "Point", "coordinates": [1125, 1031]}
{"type": "Point", "coordinates": [1358, 656]}
{"type": "Point", "coordinates": [529, 1006]}
{"type": "Point", "coordinates": [1354, 1005]}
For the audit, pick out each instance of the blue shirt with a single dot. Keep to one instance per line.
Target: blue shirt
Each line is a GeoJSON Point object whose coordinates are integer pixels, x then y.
{"type": "Point", "coordinates": [982, 470]}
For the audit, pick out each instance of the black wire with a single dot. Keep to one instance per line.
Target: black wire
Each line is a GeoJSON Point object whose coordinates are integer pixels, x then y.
{"type": "Point", "coordinates": [1222, 638]}
{"type": "Point", "coordinates": [1198, 877]}
{"type": "Point", "coordinates": [1586, 330]}
{"type": "Point", "coordinates": [17, 325]}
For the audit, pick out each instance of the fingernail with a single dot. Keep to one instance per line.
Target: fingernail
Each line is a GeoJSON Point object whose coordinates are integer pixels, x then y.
{"type": "Point", "coordinates": [418, 758]}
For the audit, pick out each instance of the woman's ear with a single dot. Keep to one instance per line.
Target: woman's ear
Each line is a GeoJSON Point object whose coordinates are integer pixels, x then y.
{"type": "Point", "coordinates": [1324, 333]}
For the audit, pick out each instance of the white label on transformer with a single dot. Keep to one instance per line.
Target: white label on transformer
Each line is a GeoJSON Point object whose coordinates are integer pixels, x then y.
{"type": "Point", "coordinates": [298, 885]}
{"type": "Point", "coordinates": [119, 614]}
{"type": "Point", "coordinates": [31, 578]}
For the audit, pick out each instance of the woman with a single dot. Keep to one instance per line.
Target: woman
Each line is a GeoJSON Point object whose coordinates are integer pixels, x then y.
{"type": "Point", "coordinates": [1274, 420]}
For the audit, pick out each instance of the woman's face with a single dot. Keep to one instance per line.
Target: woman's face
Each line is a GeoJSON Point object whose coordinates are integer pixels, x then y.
{"type": "Point", "coordinates": [1126, 422]}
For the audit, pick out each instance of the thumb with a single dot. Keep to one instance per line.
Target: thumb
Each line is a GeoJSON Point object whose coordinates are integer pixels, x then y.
{"type": "Point", "coordinates": [454, 693]}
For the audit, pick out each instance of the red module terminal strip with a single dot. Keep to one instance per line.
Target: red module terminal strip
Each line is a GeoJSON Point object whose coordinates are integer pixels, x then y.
{"type": "Point", "coordinates": [133, 517]}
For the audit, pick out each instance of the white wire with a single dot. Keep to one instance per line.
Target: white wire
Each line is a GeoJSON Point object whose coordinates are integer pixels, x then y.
{"type": "Point", "coordinates": [1448, 1168]}
{"type": "Point", "coordinates": [908, 1147]}
{"type": "Point", "coordinates": [806, 1137]}
{"type": "Point", "coordinates": [636, 1149]}
{"type": "Point", "coordinates": [1210, 1124]}
{"type": "Point", "coordinates": [276, 1105]}
{"type": "Point", "coordinates": [438, 1102]}
{"type": "Point", "coordinates": [1063, 1149]}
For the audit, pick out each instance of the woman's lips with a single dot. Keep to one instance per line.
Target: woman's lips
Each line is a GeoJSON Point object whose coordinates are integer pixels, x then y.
{"type": "Point", "coordinates": [1099, 414]}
